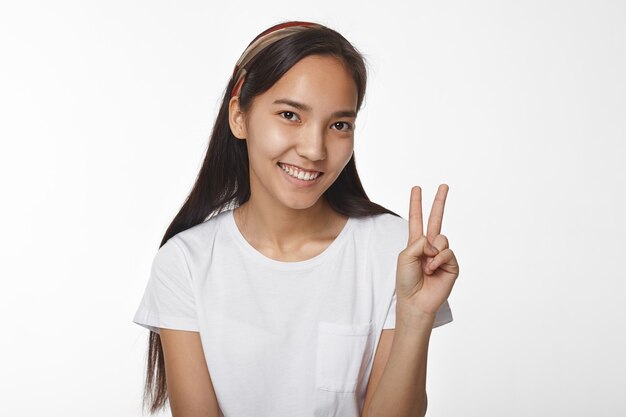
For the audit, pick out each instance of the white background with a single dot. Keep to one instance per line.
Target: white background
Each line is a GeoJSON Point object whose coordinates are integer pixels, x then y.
{"type": "Point", "coordinates": [519, 106]}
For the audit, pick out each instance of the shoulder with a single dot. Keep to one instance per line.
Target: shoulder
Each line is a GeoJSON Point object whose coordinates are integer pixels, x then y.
{"type": "Point", "coordinates": [389, 230]}
{"type": "Point", "coordinates": [201, 234]}
{"type": "Point", "coordinates": [383, 235]}
{"type": "Point", "coordinates": [396, 224]}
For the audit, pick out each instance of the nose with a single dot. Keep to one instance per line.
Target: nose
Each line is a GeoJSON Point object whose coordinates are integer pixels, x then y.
{"type": "Point", "coordinates": [312, 144]}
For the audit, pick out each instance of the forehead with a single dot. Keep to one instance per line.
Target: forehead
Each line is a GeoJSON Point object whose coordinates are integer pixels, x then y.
{"type": "Point", "coordinates": [322, 82]}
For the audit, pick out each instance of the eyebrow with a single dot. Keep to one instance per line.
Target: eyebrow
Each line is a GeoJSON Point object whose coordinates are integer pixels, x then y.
{"type": "Point", "coordinates": [304, 107]}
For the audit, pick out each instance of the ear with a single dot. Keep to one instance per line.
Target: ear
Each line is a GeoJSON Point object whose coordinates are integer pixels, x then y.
{"type": "Point", "coordinates": [236, 118]}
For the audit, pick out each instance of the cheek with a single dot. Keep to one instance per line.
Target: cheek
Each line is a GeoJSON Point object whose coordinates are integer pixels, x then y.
{"type": "Point", "coordinates": [278, 137]}
{"type": "Point", "coordinates": [272, 139]}
{"type": "Point", "coordinates": [341, 152]}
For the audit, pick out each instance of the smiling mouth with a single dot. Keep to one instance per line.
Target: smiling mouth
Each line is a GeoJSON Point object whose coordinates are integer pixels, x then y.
{"type": "Point", "coordinates": [298, 173]}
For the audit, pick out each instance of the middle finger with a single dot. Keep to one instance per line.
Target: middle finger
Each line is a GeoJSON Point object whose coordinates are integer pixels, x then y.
{"type": "Point", "coordinates": [435, 219]}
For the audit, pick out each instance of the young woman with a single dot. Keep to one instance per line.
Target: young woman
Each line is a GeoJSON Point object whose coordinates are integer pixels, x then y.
{"type": "Point", "coordinates": [279, 288]}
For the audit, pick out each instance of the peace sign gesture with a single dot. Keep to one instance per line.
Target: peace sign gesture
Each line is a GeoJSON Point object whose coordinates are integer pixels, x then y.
{"type": "Point", "coordinates": [427, 269]}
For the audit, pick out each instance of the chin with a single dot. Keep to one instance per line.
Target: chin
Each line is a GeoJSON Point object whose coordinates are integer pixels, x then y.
{"type": "Point", "coordinates": [302, 204]}
{"type": "Point", "coordinates": [298, 201]}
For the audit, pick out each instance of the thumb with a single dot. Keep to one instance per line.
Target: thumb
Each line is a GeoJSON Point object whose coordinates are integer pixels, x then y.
{"type": "Point", "coordinates": [430, 250]}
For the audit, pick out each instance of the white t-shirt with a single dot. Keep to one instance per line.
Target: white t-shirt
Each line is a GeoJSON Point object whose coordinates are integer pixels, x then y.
{"type": "Point", "coordinates": [281, 338]}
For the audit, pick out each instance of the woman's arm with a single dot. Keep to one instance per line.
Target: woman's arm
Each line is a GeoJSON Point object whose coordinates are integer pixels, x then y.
{"type": "Point", "coordinates": [189, 385]}
{"type": "Point", "coordinates": [425, 273]}
{"type": "Point", "coordinates": [401, 391]}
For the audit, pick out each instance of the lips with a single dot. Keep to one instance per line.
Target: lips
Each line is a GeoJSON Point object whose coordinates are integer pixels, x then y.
{"type": "Point", "coordinates": [301, 183]}
{"type": "Point", "coordinates": [312, 171]}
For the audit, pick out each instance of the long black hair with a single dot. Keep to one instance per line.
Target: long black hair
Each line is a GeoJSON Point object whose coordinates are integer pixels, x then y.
{"type": "Point", "coordinates": [223, 181]}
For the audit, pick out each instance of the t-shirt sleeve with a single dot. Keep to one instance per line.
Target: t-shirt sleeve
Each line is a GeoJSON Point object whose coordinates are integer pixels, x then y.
{"type": "Point", "coordinates": [168, 300]}
{"type": "Point", "coordinates": [444, 314]}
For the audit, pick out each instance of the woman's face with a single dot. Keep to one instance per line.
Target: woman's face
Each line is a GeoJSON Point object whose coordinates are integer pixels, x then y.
{"type": "Point", "coordinates": [306, 119]}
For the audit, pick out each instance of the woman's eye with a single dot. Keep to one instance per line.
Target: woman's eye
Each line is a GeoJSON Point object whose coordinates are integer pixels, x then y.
{"type": "Point", "coordinates": [288, 113]}
{"type": "Point", "coordinates": [346, 126]}
{"type": "Point", "coordinates": [349, 126]}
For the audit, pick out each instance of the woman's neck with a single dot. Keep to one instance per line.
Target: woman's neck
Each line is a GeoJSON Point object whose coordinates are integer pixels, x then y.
{"type": "Point", "coordinates": [282, 230]}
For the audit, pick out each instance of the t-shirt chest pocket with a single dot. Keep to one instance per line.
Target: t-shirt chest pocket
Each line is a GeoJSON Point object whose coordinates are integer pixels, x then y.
{"type": "Point", "coordinates": [343, 353]}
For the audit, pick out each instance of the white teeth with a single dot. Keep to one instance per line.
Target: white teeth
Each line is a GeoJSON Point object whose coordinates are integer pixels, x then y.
{"type": "Point", "coordinates": [306, 176]}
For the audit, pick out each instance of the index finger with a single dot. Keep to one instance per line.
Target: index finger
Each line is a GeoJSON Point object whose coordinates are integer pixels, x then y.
{"type": "Point", "coordinates": [435, 219]}
{"type": "Point", "coordinates": [416, 223]}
